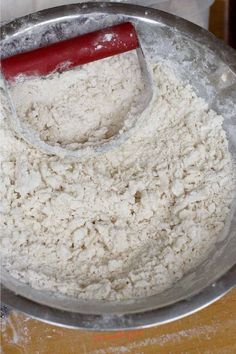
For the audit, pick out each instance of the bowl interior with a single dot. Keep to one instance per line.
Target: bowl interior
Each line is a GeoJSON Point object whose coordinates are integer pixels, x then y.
{"type": "Point", "coordinates": [199, 59]}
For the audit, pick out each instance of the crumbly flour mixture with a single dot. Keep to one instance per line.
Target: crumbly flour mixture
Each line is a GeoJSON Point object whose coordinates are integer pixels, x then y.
{"type": "Point", "coordinates": [128, 223]}
{"type": "Point", "coordinates": [84, 105]}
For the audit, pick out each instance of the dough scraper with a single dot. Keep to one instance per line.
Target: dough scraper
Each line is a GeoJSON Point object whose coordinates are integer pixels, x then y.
{"type": "Point", "coordinates": [65, 55]}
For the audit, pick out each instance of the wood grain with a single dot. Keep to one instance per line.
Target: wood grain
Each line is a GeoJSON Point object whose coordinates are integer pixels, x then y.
{"type": "Point", "coordinates": [219, 19]}
{"type": "Point", "coordinates": [223, 21]}
{"type": "Point", "coordinates": [210, 331]}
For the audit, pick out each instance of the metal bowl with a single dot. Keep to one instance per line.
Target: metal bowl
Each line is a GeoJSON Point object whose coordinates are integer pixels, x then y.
{"type": "Point", "coordinates": [210, 66]}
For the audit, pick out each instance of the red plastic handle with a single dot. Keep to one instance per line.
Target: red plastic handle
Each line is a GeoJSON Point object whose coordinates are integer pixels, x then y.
{"type": "Point", "coordinates": [67, 54]}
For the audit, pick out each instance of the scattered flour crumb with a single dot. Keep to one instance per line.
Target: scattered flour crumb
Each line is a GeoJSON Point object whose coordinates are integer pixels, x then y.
{"type": "Point", "coordinates": [128, 223]}
{"type": "Point", "coordinates": [108, 37]}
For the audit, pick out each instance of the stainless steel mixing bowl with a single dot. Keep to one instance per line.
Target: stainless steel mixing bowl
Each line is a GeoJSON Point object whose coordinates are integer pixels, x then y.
{"type": "Point", "coordinates": [210, 66]}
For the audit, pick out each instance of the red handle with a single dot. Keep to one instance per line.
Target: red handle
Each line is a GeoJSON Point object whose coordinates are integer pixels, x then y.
{"type": "Point", "coordinates": [67, 54]}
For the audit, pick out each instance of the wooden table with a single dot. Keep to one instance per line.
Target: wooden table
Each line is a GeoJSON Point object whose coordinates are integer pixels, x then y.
{"type": "Point", "coordinates": [210, 331]}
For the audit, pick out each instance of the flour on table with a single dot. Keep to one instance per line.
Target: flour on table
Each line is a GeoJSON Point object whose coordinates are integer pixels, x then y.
{"type": "Point", "coordinates": [128, 223]}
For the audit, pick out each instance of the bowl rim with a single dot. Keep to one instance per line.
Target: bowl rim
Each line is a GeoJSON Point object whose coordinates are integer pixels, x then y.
{"type": "Point", "coordinates": [144, 319]}
{"type": "Point", "coordinates": [124, 322]}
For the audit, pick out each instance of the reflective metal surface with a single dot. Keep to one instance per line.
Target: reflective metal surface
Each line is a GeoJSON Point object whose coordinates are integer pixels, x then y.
{"type": "Point", "coordinates": [210, 66]}
{"type": "Point", "coordinates": [32, 137]}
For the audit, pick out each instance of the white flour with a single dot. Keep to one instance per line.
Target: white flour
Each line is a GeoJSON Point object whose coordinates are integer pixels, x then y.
{"type": "Point", "coordinates": [87, 104]}
{"type": "Point", "coordinates": [128, 223]}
